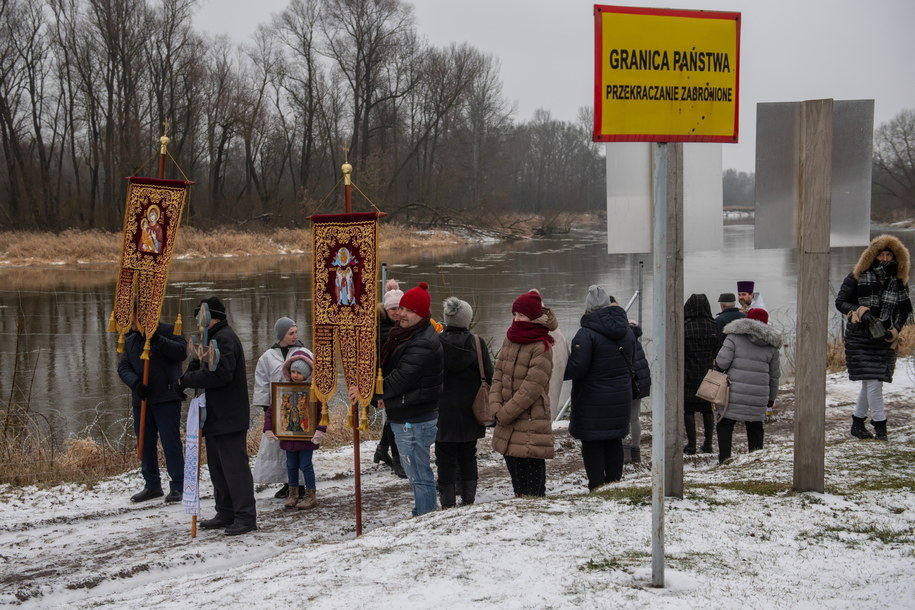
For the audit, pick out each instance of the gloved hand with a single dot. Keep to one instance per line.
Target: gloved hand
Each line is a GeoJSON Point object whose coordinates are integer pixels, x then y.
{"type": "Point", "coordinates": [857, 316]}
{"type": "Point", "coordinates": [318, 437]}
{"type": "Point", "coordinates": [271, 436]}
{"type": "Point", "coordinates": [142, 390]}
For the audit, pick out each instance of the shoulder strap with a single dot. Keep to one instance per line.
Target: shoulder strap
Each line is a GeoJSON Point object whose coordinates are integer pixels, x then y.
{"type": "Point", "coordinates": [480, 358]}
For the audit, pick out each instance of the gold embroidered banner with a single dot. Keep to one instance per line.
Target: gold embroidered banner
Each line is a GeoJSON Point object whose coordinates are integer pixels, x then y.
{"type": "Point", "coordinates": [151, 219]}
{"type": "Point", "coordinates": [344, 292]}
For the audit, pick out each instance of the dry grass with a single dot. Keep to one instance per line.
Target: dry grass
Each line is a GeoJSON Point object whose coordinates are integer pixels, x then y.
{"type": "Point", "coordinates": [28, 456]}
{"type": "Point", "coordinates": [68, 247]}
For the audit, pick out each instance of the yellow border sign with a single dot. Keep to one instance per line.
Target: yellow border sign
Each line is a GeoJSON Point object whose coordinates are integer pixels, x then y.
{"type": "Point", "coordinates": [665, 75]}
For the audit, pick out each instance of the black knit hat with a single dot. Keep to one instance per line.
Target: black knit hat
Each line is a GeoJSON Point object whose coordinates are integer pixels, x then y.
{"type": "Point", "coordinates": [217, 309]}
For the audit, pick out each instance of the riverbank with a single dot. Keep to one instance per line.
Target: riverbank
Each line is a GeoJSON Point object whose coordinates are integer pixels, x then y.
{"type": "Point", "coordinates": [28, 249]}
{"type": "Point", "coordinates": [740, 532]}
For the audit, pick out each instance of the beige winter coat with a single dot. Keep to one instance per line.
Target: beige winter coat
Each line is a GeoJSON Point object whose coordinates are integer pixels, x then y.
{"type": "Point", "coordinates": [520, 398]}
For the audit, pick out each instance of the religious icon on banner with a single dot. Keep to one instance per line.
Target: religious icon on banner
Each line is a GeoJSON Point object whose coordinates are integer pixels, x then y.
{"type": "Point", "coordinates": [152, 216]}
{"type": "Point", "coordinates": [345, 296]}
{"type": "Point", "coordinates": [294, 414]}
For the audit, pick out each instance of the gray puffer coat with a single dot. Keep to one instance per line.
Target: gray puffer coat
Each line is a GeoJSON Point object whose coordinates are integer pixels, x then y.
{"type": "Point", "coordinates": [750, 357]}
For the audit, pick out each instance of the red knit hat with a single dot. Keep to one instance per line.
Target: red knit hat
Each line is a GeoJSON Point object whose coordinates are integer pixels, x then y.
{"type": "Point", "coordinates": [529, 304]}
{"type": "Point", "coordinates": [417, 300]}
{"type": "Point", "coordinates": [759, 314]}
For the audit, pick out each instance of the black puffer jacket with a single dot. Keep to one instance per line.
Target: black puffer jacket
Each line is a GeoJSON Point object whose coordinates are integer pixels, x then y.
{"type": "Point", "coordinates": [866, 357]}
{"type": "Point", "coordinates": [413, 378]}
{"type": "Point", "coordinates": [456, 422]}
{"type": "Point", "coordinates": [166, 353]}
{"type": "Point", "coordinates": [601, 384]}
{"type": "Point", "coordinates": [700, 344]}
{"type": "Point", "coordinates": [640, 363]}
{"type": "Point", "coordinates": [228, 409]}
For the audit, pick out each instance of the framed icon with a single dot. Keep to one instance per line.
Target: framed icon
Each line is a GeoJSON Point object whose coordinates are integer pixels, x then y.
{"type": "Point", "coordinates": [295, 416]}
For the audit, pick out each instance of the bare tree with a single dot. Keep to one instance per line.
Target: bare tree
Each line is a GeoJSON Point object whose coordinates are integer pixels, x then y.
{"type": "Point", "coordinates": [894, 167]}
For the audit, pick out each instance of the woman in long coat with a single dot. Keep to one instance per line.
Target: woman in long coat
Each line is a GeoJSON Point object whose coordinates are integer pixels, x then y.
{"type": "Point", "coordinates": [750, 357]}
{"type": "Point", "coordinates": [700, 344]}
{"type": "Point", "coordinates": [458, 429]}
{"type": "Point", "coordinates": [875, 296]}
{"type": "Point", "coordinates": [603, 353]}
{"type": "Point", "coordinates": [519, 396]}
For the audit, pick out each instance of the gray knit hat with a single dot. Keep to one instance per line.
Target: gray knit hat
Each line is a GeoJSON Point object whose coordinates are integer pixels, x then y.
{"type": "Point", "coordinates": [282, 327]}
{"type": "Point", "coordinates": [301, 366]}
{"type": "Point", "coordinates": [597, 298]}
{"type": "Point", "coordinates": [458, 313]}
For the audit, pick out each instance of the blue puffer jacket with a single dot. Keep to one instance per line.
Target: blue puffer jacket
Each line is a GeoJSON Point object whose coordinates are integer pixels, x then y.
{"type": "Point", "coordinates": [601, 384]}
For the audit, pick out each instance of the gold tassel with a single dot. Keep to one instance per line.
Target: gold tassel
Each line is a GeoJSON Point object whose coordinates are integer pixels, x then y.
{"type": "Point", "coordinates": [177, 330]}
{"type": "Point", "coordinates": [364, 419]}
{"type": "Point", "coordinates": [120, 343]}
{"type": "Point", "coordinates": [145, 354]}
{"type": "Point", "coordinates": [325, 420]}
{"type": "Point", "coordinates": [351, 417]}
{"type": "Point", "coordinates": [112, 325]}
{"type": "Point", "coordinates": [379, 383]}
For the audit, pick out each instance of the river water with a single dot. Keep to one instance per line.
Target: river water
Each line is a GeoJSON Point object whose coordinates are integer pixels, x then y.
{"type": "Point", "coordinates": [57, 358]}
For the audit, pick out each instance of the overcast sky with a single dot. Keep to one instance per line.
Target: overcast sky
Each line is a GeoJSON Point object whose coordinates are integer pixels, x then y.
{"type": "Point", "coordinates": [791, 50]}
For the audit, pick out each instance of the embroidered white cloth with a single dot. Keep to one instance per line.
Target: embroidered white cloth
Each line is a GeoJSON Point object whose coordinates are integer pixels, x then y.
{"type": "Point", "coordinates": [191, 496]}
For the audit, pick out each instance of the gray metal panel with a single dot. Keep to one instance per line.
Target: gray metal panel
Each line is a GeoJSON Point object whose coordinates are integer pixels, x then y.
{"type": "Point", "coordinates": [628, 197]}
{"type": "Point", "coordinates": [777, 133]}
{"type": "Point", "coordinates": [852, 165]}
{"type": "Point", "coordinates": [702, 197]}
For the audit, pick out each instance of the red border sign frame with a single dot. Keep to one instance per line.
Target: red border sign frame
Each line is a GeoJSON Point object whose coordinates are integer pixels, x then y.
{"type": "Point", "coordinates": [598, 74]}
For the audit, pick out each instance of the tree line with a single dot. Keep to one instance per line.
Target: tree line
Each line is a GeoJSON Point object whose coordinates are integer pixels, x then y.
{"type": "Point", "coordinates": [261, 127]}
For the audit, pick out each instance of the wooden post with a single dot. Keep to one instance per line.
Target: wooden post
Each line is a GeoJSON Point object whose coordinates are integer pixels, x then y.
{"type": "Point", "coordinates": [673, 309]}
{"type": "Point", "coordinates": [813, 218]}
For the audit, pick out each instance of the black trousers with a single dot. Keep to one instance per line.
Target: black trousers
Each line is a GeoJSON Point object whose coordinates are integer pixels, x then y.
{"type": "Point", "coordinates": [528, 475]}
{"type": "Point", "coordinates": [233, 485]}
{"type": "Point", "coordinates": [163, 421]}
{"type": "Point", "coordinates": [708, 423]}
{"type": "Point", "coordinates": [603, 461]}
{"type": "Point", "coordinates": [726, 434]}
{"type": "Point", "coordinates": [387, 440]}
{"type": "Point", "coordinates": [454, 458]}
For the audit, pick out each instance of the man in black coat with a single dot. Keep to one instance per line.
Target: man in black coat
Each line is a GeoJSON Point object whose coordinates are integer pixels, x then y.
{"type": "Point", "coordinates": [729, 312]}
{"type": "Point", "coordinates": [163, 406]}
{"type": "Point", "coordinates": [226, 427]}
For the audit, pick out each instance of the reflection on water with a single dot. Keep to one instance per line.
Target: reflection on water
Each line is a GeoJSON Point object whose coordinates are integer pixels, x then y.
{"type": "Point", "coordinates": [65, 364]}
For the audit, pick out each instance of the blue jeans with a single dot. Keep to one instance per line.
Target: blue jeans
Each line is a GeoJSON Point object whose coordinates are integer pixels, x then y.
{"type": "Point", "coordinates": [413, 442]}
{"type": "Point", "coordinates": [300, 460]}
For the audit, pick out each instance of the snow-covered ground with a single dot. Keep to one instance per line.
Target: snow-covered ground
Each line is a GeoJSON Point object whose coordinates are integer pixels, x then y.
{"type": "Point", "coordinates": [739, 537]}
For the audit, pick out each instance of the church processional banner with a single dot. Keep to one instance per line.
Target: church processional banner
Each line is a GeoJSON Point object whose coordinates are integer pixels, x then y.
{"type": "Point", "coordinates": [344, 294]}
{"type": "Point", "coordinates": [151, 219]}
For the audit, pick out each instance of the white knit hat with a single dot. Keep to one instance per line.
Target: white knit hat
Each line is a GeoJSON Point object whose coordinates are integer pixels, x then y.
{"type": "Point", "coordinates": [392, 294]}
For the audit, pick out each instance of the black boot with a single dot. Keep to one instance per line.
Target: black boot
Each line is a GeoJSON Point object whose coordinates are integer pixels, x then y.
{"type": "Point", "coordinates": [283, 491]}
{"type": "Point", "coordinates": [635, 455]}
{"type": "Point", "coordinates": [446, 495]}
{"type": "Point", "coordinates": [397, 467]}
{"type": "Point", "coordinates": [381, 455]}
{"type": "Point", "coordinates": [859, 431]}
{"type": "Point", "coordinates": [689, 420]}
{"type": "Point", "coordinates": [879, 429]}
{"type": "Point", "coordinates": [708, 425]}
{"type": "Point", "coordinates": [469, 492]}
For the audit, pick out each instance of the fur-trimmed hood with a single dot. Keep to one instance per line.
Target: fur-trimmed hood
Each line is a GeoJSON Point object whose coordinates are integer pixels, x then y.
{"type": "Point", "coordinates": [548, 319]}
{"type": "Point", "coordinates": [757, 332]}
{"type": "Point", "coordinates": [880, 243]}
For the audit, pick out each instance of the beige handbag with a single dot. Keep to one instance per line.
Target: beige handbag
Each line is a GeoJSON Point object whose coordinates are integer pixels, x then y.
{"type": "Point", "coordinates": [715, 388]}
